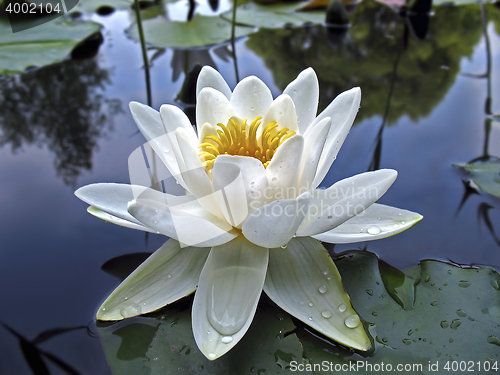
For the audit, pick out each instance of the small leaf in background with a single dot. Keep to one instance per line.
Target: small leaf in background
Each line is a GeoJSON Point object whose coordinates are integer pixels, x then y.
{"type": "Point", "coordinates": [274, 16]}
{"type": "Point", "coordinates": [201, 31]}
{"type": "Point", "coordinates": [51, 43]}
{"type": "Point", "coordinates": [485, 174]}
{"type": "Point", "coordinates": [91, 6]}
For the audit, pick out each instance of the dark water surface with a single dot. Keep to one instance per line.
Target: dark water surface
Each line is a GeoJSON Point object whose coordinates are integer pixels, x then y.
{"type": "Point", "coordinates": [64, 126]}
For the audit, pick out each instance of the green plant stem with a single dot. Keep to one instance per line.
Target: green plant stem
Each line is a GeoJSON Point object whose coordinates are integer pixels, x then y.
{"type": "Point", "coordinates": [233, 32]}
{"type": "Point", "coordinates": [144, 51]}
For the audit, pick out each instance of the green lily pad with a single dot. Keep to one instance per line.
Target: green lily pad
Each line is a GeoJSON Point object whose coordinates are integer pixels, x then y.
{"type": "Point", "coordinates": [455, 315]}
{"type": "Point", "coordinates": [51, 43]}
{"type": "Point", "coordinates": [90, 6]}
{"type": "Point", "coordinates": [274, 16]}
{"type": "Point", "coordinates": [201, 31]}
{"type": "Point", "coordinates": [428, 315]}
{"type": "Point", "coordinates": [484, 174]}
{"type": "Point", "coordinates": [264, 349]}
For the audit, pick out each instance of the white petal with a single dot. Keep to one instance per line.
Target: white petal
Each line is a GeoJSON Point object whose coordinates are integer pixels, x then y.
{"type": "Point", "coordinates": [283, 171]}
{"type": "Point", "coordinates": [251, 98]}
{"type": "Point", "coordinates": [213, 107]}
{"type": "Point", "coordinates": [172, 118]}
{"type": "Point", "coordinates": [242, 182]}
{"type": "Point", "coordinates": [282, 110]}
{"type": "Point", "coordinates": [194, 174]}
{"type": "Point", "coordinates": [345, 199]}
{"type": "Point", "coordinates": [209, 77]}
{"type": "Point", "coordinates": [303, 280]}
{"type": "Point", "coordinates": [274, 224]}
{"type": "Point", "coordinates": [304, 91]}
{"type": "Point", "coordinates": [169, 274]}
{"type": "Point", "coordinates": [377, 221]}
{"type": "Point", "coordinates": [188, 225]}
{"type": "Point", "coordinates": [111, 198]}
{"type": "Point", "coordinates": [313, 147]}
{"type": "Point", "coordinates": [164, 144]}
{"type": "Point", "coordinates": [227, 296]}
{"type": "Point", "coordinates": [207, 129]}
{"type": "Point", "coordinates": [342, 111]}
{"type": "Point", "coordinates": [116, 220]}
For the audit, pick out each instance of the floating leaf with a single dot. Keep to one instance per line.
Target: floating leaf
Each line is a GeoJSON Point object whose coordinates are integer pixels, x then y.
{"type": "Point", "coordinates": [264, 348]}
{"type": "Point", "coordinates": [449, 314]}
{"type": "Point", "coordinates": [201, 31]}
{"type": "Point", "coordinates": [51, 43]}
{"type": "Point", "coordinates": [485, 174]}
{"type": "Point", "coordinates": [274, 16]}
{"type": "Point", "coordinates": [455, 315]}
{"type": "Point", "coordinates": [91, 6]}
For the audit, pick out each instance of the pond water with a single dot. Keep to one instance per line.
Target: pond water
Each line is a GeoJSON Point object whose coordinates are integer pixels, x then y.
{"type": "Point", "coordinates": [426, 105]}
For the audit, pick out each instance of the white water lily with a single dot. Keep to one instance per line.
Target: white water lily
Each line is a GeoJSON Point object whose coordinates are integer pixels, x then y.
{"type": "Point", "coordinates": [253, 215]}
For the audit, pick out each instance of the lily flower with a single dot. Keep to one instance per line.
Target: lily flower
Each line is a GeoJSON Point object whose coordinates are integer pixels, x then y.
{"type": "Point", "coordinates": [253, 216]}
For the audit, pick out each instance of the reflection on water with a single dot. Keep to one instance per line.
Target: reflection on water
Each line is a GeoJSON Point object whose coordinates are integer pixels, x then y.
{"type": "Point", "coordinates": [364, 57]}
{"type": "Point", "coordinates": [59, 107]}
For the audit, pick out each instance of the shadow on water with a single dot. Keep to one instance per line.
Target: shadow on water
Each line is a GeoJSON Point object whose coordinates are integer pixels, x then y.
{"type": "Point", "coordinates": [61, 107]}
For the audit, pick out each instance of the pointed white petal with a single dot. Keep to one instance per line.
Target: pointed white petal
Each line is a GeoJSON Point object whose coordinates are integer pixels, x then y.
{"type": "Point", "coordinates": [345, 199]}
{"type": "Point", "coordinates": [164, 144]}
{"type": "Point", "coordinates": [169, 274]}
{"type": "Point", "coordinates": [304, 91]}
{"type": "Point", "coordinates": [111, 198]}
{"type": "Point", "coordinates": [207, 129]}
{"type": "Point", "coordinates": [282, 110]}
{"type": "Point", "coordinates": [274, 224]}
{"type": "Point", "coordinates": [229, 289]}
{"type": "Point", "coordinates": [283, 172]}
{"type": "Point", "coordinates": [303, 280]}
{"type": "Point", "coordinates": [213, 107]}
{"type": "Point", "coordinates": [189, 225]}
{"type": "Point", "coordinates": [377, 221]}
{"type": "Point", "coordinates": [251, 98]}
{"type": "Point", "coordinates": [209, 77]}
{"type": "Point", "coordinates": [242, 182]}
{"type": "Point", "coordinates": [194, 174]}
{"type": "Point", "coordinates": [172, 118]}
{"type": "Point", "coordinates": [313, 147]}
{"type": "Point", "coordinates": [116, 220]}
{"type": "Point", "coordinates": [342, 111]}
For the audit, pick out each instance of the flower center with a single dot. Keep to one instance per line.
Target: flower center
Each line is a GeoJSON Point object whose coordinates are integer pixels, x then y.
{"type": "Point", "coordinates": [241, 139]}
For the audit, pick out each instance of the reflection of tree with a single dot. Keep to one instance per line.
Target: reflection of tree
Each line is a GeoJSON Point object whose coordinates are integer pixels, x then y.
{"type": "Point", "coordinates": [365, 56]}
{"type": "Point", "coordinates": [58, 106]}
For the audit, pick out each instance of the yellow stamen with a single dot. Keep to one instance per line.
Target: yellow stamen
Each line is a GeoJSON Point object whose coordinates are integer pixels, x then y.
{"type": "Point", "coordinates": [239, 138]}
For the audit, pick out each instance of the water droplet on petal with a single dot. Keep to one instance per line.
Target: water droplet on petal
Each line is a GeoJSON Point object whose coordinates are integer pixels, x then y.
{"type": "Point", "coordinates": [373, 230]}
{"type": "Point", "coordinates": [342, 307]}
{"type": "Point", "coordinates": [311, 304]}
{"type": "Point", "coordinates": [464, 284]}
{"type": "Point", "coordinates": [226, 339]}
{"type": "Point", "coordinates": [169, 276]}
{"type": "Point", "coordinates": [211, 355]}
{"type": "Point", "coordinates": [310, 318]}
{"type": "Point", "coordinates": [455, 324]}
{"type": "Point", "coordinates": [461, 313]}
{"type": "Point", "coordinates": [322, 289]}
{"type": "Point", "coordinates": [274, 179]}
{"type": "Point", "coordinates": [406, 341]}
{"type": "Point", "coordinates": [444, 324]}
{"type": "Point", "coordinates": [283, 246]}
{"type": "Point", "coordinates": [130, 309]}
{"type": "Point", "coordinates": [493, 340]}
{"type": "Point", "coordinates": [302, 303]}
{"type": "Point", "coordinates": [352, 321]}
{"type": "Point", "coordinates": [326, 314]}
